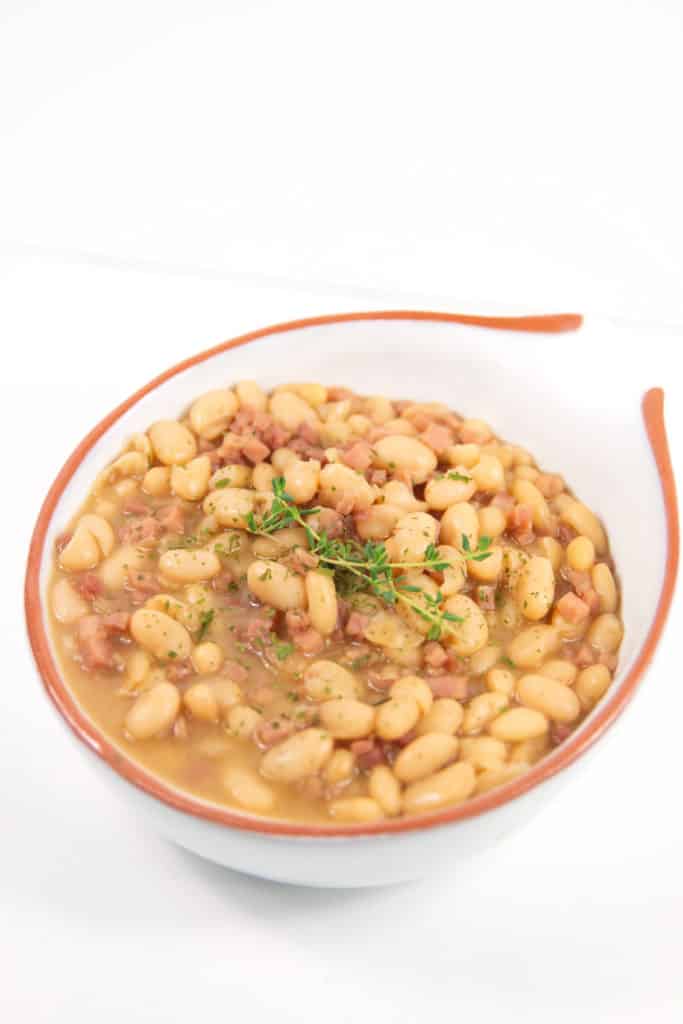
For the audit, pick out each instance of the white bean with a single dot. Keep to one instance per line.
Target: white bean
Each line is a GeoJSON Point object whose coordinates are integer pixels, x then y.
{"type": "Point", "coordinates": [395, 717]}
{"type": "Point", "coordinates": [356, 809]}
{"type": "Point", "coordinates": [161, 635]}
{"type": "Point", "coordinates": [452, 785]}
{"type": "Point", "coordinates": [67, 606]}
{"type": "Point", "coordinates": [424, 756]}
{"type": "Point", "coordinates": [385, 789]}
{"type": "Point", "coordinates": [181, 565]}
{"type": "Point", "coordinates": [248, 790]}
{"type": "Point", "coordinates": [445, 715]}
{"type": "Point", "coordinates": [347, 719]}
{"type": "Point", "coordinates": [518, 724]}
{"type": "Point", "coordinates": [535, 590]}
{"type": "Point", "coordinates": [458, 521]}
{"type": "Point", "coordinates": [154, 712]}
{"type": "Point", "coordinates": [531, 647]}
{"type": "Point", "coordinates": [557, 701]}
{"type": "Point", "coordinates": [211, 413]}
{"type": "Point", "coordinates": [471, 632]}
{"type": "Point", "coordinates": [173, 443]}
{"type": "Point", "coordinates": [276, 585]}
{"type": "Point", "coordinates": [303, 754]}
{"type": "Point", "coordinates": [321, 596]}
{"type": "Point", "coordinates": [191, 481]}
{"type": "Point", "coordinates": [93, 539]}
{"type": "Point", "coordinates": [326, 680]}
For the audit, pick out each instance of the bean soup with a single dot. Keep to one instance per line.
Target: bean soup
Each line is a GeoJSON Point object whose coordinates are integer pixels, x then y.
{"type": "Point", "coordinates": [322, 607]}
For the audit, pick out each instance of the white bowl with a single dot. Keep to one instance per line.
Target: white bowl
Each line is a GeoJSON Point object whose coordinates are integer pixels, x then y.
{"type": "Point", "coordinates": [557, 394]}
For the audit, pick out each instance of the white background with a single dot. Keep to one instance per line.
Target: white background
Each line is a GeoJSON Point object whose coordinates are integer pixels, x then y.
{"type": "Point", "coordinates": [173, 174]}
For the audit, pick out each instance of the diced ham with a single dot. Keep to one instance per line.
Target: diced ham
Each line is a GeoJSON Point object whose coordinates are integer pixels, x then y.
{"type": "Point", "coordinates": [329, 522]}
{"type": "Point", "coordinates": [257, 629]}
{"type": "Point", "coordinates": [309, 433]}
{"type": "Point", "coordinates": [297, 620]}
{"type": "Point", "coordinates": [572, 608]}
{"type": "Point", "coordinates": [434, 654]}
{"type": "Point", "coordinates": [559, 731]}
{"type": "Point", "coordinates": [172, 518]}
{"type": "Point", "coordinates": [520, 524]}
{"type": "Point", "coordinates": [368, 753]}
{"type": "Point", "coordinates": [94, 644]}
{"type": "Point", "coordinates": [233, 670]}
{"type": "Point", "coordinates": [255, 451]}
{"type": "Point", "coordinates": [584, 656]}
{"type": "Point", "coordinates": [419, 418]}
{"type": "Point", "coordinates": [179, 670]}
{"type": "Point", "coordinates": [549, 484]}
{"type": "Point", "coordinates": [143, 533]}
{"type": "Point", "coordinates": [449, 686]}
{"type": "Point", "coordinates": [358, 456]}
{"type": "Point", "coordinates": [276, 436]}
{"type": "Point", "coordinates": [242, 421]}
{"type": "Point", "coordinates": [406, 738]}
{"type": "Point", "coordinates": [565, 533]}
{"type": "Point", "coordinates": [261, 420]}
{"type": "Point", "coordinates": [144, 581]}
{"type": "Point", "coordinates": [474, 434]}
{"type": "Point", "coordinates": [307, 451]}
{"type": "Point", "coordinates": [116, 622]}
{"type": "Point", "coordinates": [215, 458]}
{"type": "Point", "coordinates": [583, 585]}
{"type": "Point", "coordinates": [205, 446]}
{"type": "Point", "coordinates": [486, 598]}
{"type": "Point", "coordinates": [62, 541]}
{"type": "Point", "coordinates": [343, 612]}
{"type": "Point", "coordinates": [140, 585]}
{"type": "Point", "coordinates": [437, 437]}
{"type": "Point", "coordinates": [377, 477]}
{"type": "Point", "coordinates": [93, 635]}
{"type": "Point", "coordinates": [309, 641]}
{"type": "Point", "coordinates": [504, 501]}
{"type": "Point", "coordinates": [521, 517]}
{"type": "Point", "coordinates": [268, 733]}
{"type": "Point", "coordinates": [89, 586]}
{"type": "Point", "coordinates": [357, 624]}
{"type": "Point", "coordinates": [229, 453]}
{"type": "Point", "coordinates": [580, 581]}
{"type": "Point", "coordinates": [135, 507]}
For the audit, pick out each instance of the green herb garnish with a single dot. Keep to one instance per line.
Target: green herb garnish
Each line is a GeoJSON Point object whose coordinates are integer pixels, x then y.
{"type": "Point", "coordinates": [479, 553]}
{"type": "Point", "coordinates": [283, 650]}
{"type": "Point", "coordinates": [205, 620]}
{"type": "Point", "coordinates": [362, 567]}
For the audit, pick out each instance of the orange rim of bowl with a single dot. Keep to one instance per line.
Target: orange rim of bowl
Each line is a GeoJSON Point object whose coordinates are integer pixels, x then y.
{"type": "Point", "coordinates": [561, 758]}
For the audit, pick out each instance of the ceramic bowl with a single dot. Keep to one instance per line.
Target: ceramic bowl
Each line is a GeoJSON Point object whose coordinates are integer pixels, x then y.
{"type": "Point", "coordinates": [547, 383]}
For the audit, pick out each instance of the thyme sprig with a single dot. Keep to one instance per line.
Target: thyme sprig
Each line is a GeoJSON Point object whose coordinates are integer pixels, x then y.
{"type": "Point", "coordinates": [366, 567]}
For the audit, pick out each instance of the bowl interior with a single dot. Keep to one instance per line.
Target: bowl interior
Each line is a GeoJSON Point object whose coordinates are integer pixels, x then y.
{"type": "Point", "coordinates": [560, 396]}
